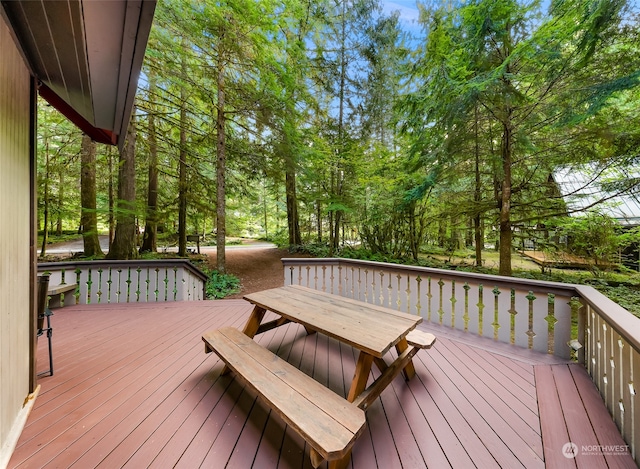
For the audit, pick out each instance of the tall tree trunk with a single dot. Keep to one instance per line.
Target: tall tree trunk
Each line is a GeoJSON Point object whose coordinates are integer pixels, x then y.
{"type": "Point", "coordinates": [477, 197]}
{"type": "Point", "coordinates": [264, 209]}
{"type": "Point", "coordinates": [149, 243]}
{"type": "Point", "coordinates": [336, 228]}
{"type": "Point", "coordinates": [89, 217]}
{"type": "Point", "coordinates": [414, 243]}
{"type": "Point", "coordinates": [505, 202]}
{"type": "Point", "coordinates": [319, 217]}
{"type": "Point", "coordinates": [112, 223]}
{"type": "Point", "coordinates": [182, 171]}
{"type": "Point", "coordinates": [60, 203]}
{"type": "Point", "coordinates": [45, 201]}
{"type": "Point", "coordinates": [221, 169]}
{"type": "Point", "coordinates": [182, 187]}
{"type": "Point", "coordinates": [289, 150]}
{"type": "Point", "coordinates": [124, 241]}
{"type": "Point", "coordinates": [337, 219]}
{"type": "Point", "coordinates": [293, 221]}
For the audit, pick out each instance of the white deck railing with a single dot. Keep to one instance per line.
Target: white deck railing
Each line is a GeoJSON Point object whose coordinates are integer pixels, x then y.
{"type": "Point", "coordinates": [129, 281]}
{"type": "Point", "coordinates": [532, 314]}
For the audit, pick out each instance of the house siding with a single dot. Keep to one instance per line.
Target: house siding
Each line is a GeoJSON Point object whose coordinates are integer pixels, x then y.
{"type": "Point", "coordinates": [14, 235]}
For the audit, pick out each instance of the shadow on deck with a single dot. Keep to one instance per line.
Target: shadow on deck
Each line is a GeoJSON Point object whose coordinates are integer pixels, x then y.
{"type": "Point", "coordinates": [134, 388]}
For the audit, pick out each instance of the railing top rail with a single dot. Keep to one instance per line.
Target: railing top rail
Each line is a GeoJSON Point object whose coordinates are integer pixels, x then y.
{"type": "Point", "coordinates": [153, 263]}
{"type": "Point", "coordinates": [541, 286]}
{"type": "Point", "coordinates": [625, 323]}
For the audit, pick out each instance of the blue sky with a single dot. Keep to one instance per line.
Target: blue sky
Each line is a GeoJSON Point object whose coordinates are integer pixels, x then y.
{"type": "Point", "coordinates": [407, 8]}
{"type": "Point", "coordinates": [408, 13]}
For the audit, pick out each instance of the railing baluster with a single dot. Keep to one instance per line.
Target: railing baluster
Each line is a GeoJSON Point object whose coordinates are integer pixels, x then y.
{"type": "Point", "coordinates": [137, 282]}
{"type": "Point", "coordinates": [551, 324]}
{"type": "Point", "coordinates": [429, 298]}
{"type": "Point", "coordinates": [418, 302]}
{"type": "Point", "coordinates": [83, 285]}
{"type": "Point", "coordinates": [174, 285]}
{"type": "Point", "coordinates": [465, 316]}
{"type": "Point", "coordinates": [109, 284]}
{"type": "Point", "coordinates": [408, 293]}
{"type": "Point", "coordinates": [480, 306]}
{"type": "Point", "coordinates": [496, 313]}
{"type": "Point", "coordinates": [129, 281]}
{"type": "Point", "coordinates": [99, 292]}
{"type": "Point", "coordinates": [440, 305]}
{"type": "Point", "coordinates": [634, 372]}
{"type": "Point", "coordinates": [453, 301]}
{"type": "Point", "coordinates": [531, 333]}
{"type": "Point", "coordinates": [618, 364]}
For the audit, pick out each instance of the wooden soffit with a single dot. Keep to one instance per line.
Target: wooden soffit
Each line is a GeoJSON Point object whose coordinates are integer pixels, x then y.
{"type": "Point", "coordinates": [87, 56]}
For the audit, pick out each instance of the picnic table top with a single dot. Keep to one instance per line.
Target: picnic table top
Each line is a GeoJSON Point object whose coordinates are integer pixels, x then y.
{"type": "Point", "coordinates": [370, 328]}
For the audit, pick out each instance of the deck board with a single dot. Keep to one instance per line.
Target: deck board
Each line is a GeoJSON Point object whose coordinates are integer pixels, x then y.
{"type": "Point", "coordinates": [519, 425]}
{"type": "Point", "coordinates": [134, 388]}
{"type": "Point", "coordinates": [572, 411]}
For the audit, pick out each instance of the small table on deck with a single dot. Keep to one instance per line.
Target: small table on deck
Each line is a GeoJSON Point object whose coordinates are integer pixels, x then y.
{"type": "Point", "coordinates": [371, 329]}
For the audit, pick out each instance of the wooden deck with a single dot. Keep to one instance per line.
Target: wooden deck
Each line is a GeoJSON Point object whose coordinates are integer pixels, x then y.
{"type": "Point", "coordinates": [563, 260]}
{"type": "Point", "coordinates": [134, 388]}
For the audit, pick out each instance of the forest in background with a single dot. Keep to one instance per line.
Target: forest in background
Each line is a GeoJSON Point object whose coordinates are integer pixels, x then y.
{"type": "Point", "coordinates": [332, 123]}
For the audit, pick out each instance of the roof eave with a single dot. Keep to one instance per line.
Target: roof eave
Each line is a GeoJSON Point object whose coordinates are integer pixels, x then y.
{"type": "Point", "coordinates": [87, 55]}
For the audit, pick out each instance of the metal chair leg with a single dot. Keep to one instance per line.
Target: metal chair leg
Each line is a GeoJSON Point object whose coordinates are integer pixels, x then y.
{"type": "Point", "coordinates": [49, 330]}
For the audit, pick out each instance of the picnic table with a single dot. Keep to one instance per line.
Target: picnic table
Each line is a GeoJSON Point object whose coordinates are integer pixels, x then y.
{"type": "Point", "coordinates": [372, 330]}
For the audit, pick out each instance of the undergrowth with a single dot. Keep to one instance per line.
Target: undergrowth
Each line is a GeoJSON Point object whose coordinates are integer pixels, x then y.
{"type": "Point", "coordinates": [220, 285]}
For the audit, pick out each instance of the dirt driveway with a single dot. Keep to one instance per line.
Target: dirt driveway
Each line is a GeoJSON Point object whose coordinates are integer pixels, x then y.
{"type": "Point", "coordinates": [257, 268]}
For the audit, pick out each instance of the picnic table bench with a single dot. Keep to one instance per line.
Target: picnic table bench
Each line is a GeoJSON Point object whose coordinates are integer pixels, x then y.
{"type": "Point", "coordinates": [65, 292]}
{"type": "Point", "coordinates": [328, 422]}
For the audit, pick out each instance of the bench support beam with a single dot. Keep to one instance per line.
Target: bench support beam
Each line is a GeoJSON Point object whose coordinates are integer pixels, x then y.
{"type": "Point", "coordinates": [368, 396]}
{"type": "Point", "coordinates": [267, 326]}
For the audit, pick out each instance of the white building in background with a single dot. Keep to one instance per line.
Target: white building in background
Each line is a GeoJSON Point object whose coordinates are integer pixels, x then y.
{"type": "Point", "coordinates": [611, 191]}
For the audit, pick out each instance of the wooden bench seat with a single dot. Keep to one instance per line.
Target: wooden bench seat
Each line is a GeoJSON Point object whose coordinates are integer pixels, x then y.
{"type": "Point", "coordinates": [421, 339]}
{"type": "Point", "coordinates": [57, 292]}
{"type": "Point", "coordinates": [328, 422]}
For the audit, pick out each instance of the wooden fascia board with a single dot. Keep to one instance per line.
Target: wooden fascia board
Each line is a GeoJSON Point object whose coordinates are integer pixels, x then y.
{"type": "Point", "coordinates": [99, 135]}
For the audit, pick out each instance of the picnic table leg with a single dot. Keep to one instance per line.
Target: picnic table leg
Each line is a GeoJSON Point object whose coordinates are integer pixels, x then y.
{"type": "Point", "coordinates": [363, 368]}
{"type": "Point", "coordinates": [409, 370]}
{"type": "Point", "coordinates": [250, 329]}
{"type": "Point", "coordinates": [253, 323]}
{"type": "Point", "coordinates": [342, 463]}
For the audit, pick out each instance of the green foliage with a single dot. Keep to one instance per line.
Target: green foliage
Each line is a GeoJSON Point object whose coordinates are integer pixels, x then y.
{"type": "Point", "coordinates": [510, 92]}
{"type": "Point", "coordinates": [627, 296]}
{"type": "Point", "coordinates": [220, 285]}
{"type": "Point", "coordinates": [279, 238]}
{"type": "Point", "coordinates": [596, 237]}
{"type": "Point", "coordinates": [64, 236]}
